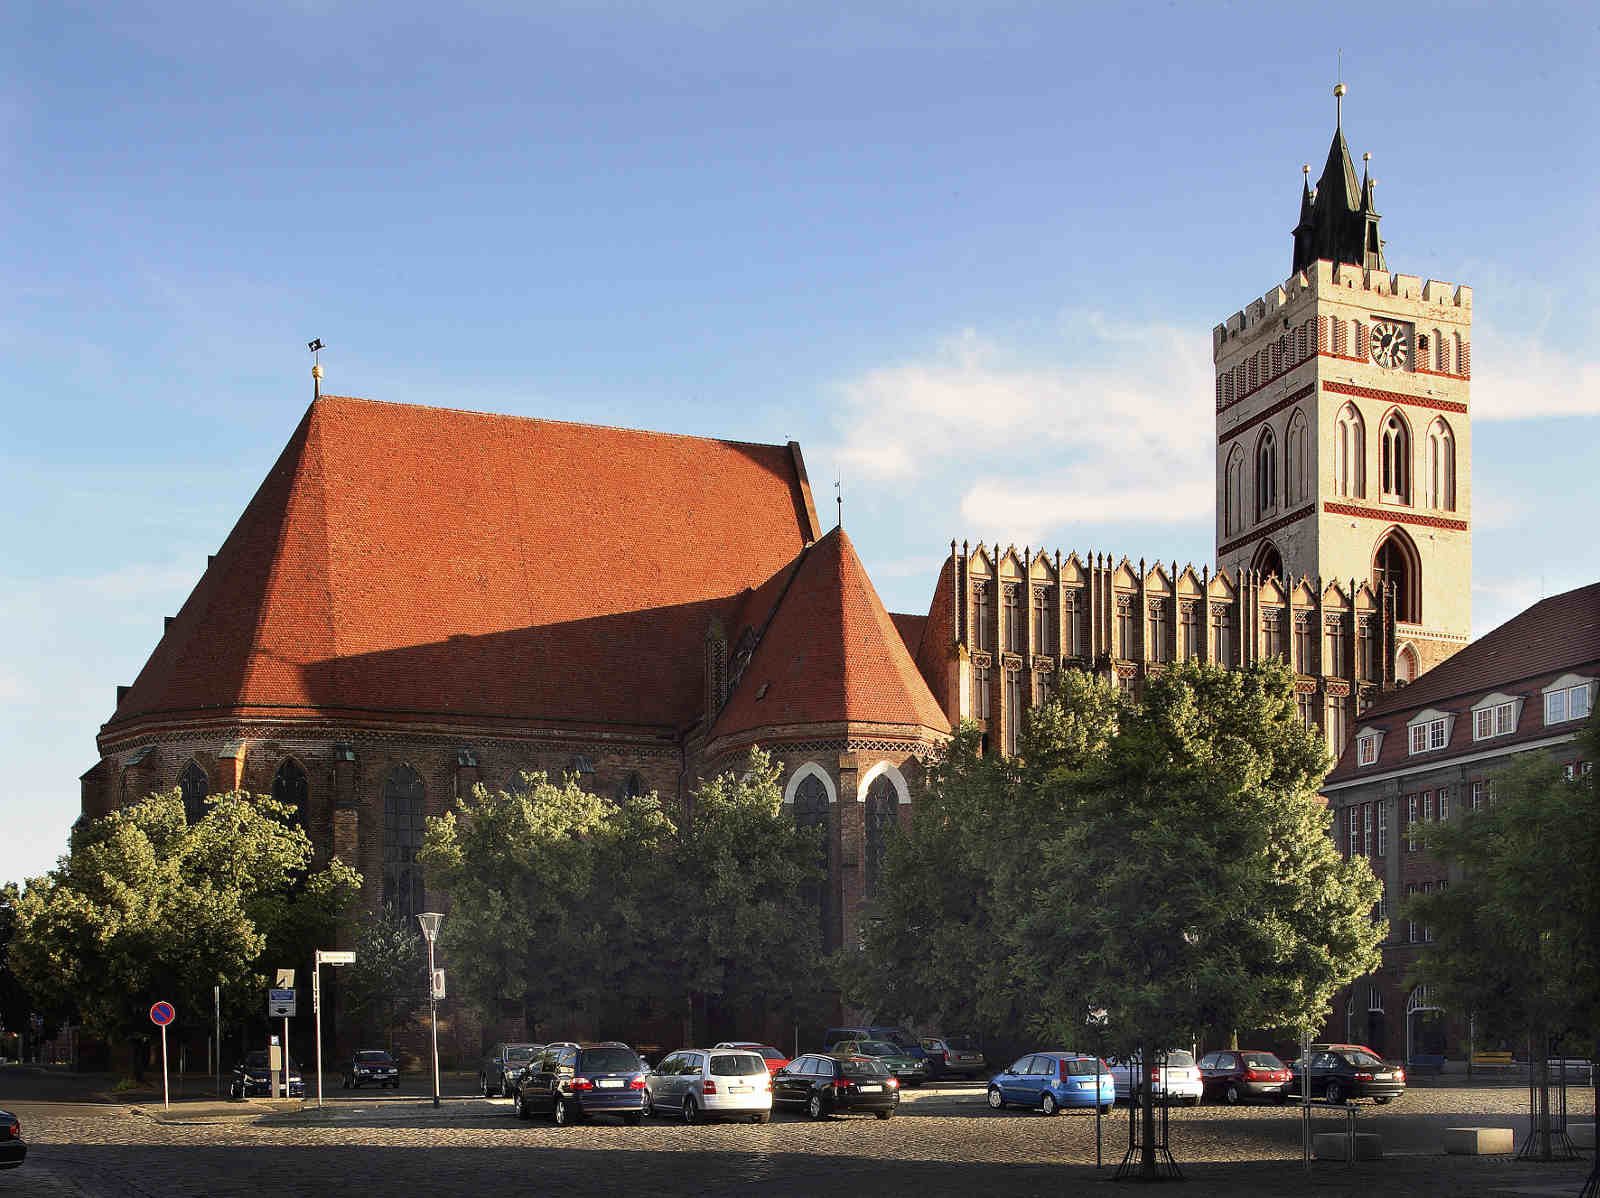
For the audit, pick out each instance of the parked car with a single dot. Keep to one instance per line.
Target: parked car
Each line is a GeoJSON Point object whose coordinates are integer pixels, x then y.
{"type": "Point", "coordinates": [1179, 1080]}
{"type": "Point", "coordinates": [775, 1058]}
{"type": "Point", "coordinates": [371, 1066]}
{"type": "Point", "coordinates": [1236, 1075]}
{"type": "Point", "coordinates": [1341, 1072]}
{"type": "Point", "coordinates": [826, 1084]}
{"type": "Point", "coordinates": [907, 1069]}
{"type": "Point", "coordinates": [954, 1056]}
{"type": "Point", "coordinates": [898, 1036]}
{"type": "Point", "coordinates": [1049, 1081]}
{"type": "Point", "coordinates": [13, 1148]}
{"type": "Point", "coordinates": [575, 1081]}
{"type": "Point", "coordinates": [716, 1083]}
{"type": "Point", "coordinates": [252, 1078]}
{"type": "Point", "coordinates": [500, 1068]}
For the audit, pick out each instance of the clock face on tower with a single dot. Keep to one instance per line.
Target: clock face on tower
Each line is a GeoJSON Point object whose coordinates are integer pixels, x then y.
{"type": "Point", "coordinates": [1389, 344]}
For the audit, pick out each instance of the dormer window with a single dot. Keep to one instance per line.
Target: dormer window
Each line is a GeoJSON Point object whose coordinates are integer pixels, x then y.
{"type": "Point", "coordinates": [1568, 698]}
{"type": "Point", "coordinates": [1369, 741]}
{"type": "Point", "coordinates": [1429, 731]}
{"type": "Point", "coordinates": [1495, 715]}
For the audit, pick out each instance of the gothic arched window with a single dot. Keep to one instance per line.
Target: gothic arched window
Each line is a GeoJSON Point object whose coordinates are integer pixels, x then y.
{"type": "Point", "coordinates": [1266, 473]}
{"type": "Point", "coordinates": [1233, 493]}
{"type": "Point", "coordinates": [1396, 563]}
{"type": "Point", "coordinates": [883, 803]}
{"type": "Point", "coordinates": [1350, 454]}
{"type": "Point", "coordinates": [1396, 459]}
{"type": "Point", "coordinates": [1268, 562]}
{"type": "Point", "coordinates": [811, 811]}
{"type": "Point", "coordinates": [403, 812]}
{"type": "Point", "coordinates": [1296, 458]}
{"type": "Point", "coordinates": [194, 787]}
{"type": "Point", "coordinates": [1441, 466]}
{"type": "Point", "coordinates": [290, 788]}
{"type": "Point", "coordinates": [982, 615]}
{"type": "Point", "coordinates": [630, 787]}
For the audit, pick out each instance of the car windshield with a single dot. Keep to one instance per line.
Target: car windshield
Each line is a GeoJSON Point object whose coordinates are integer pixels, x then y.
{"type": "Point", "coordinates": [737, 1064]}
{"type": "Point", "coordinates": [521, 1052]}
{"type": "Point", "coordinates": [608, 1060]}
{"type": "Point", "coordinates": [1358, 1057]}
{"type": "Point", "coordinates": [374, 1058]}
{"type": "Point", "coordinates": [962, 1043]}
{"type": "Point", "coordinates": [878, 1048]}
{"type": "Point", "coordinates": [1261, 1060]}
{"type": "Point", "coordinates": [861, 1068]}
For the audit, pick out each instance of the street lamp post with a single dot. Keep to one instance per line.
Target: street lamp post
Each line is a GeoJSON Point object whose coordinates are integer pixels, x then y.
{"type": "Point", "coordinates": [430, 929]}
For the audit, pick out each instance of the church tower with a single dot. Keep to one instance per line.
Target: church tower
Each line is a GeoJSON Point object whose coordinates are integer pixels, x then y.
{"type": "Point", "coordinates": [1344, 446]}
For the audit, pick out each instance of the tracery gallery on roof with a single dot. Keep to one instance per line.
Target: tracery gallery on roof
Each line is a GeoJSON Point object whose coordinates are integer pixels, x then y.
{"type": "Point", "coordinates": [418, 600]}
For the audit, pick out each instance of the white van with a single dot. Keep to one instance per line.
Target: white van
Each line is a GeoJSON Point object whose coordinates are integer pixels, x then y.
{"type": "Point", "coordinates": [710, 1083]}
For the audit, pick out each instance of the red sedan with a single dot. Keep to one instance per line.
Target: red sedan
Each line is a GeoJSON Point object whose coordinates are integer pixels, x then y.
{"type": "Point", "coordinates": [1234, 1075]}
{"type": "Point", "coordinates": [772, 1056]}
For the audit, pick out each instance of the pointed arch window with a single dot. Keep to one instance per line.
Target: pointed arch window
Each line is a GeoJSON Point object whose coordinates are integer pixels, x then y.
{"type": "Point", "coordinates": [630, 787]}
{"type": "Point", "coordinates": [1044, 619]}
{"type": "Point", "coordinates": [1395, 563]}
{"type": "Point", "coordinates": [811, 811]}
{"type": "Point", "coordinates": [882, 813]}
{"type": "Point", "coordinates": [1350, 454]}
{"type": "Point", "coordinates": [403, 812]}
{"type": "Point", "coordinates": [1441, 458]}
{"type": "Point", "coordinates": [194, 787]}
{"type": "Point", "coordinates": [1268, 562]}
{"type": "Point", "coordinates": [289, 787]}
{"type": "Point", "coordinates": [1296, 459]}
{"type": "Point", "coordinates": [982, 615]}
{"type": "Point", "coordinates": [1233, 493]}
{"type": "Point", "coordinates": [1266, 473]}
{"type": "Point", "coordinates": [1396, 459]}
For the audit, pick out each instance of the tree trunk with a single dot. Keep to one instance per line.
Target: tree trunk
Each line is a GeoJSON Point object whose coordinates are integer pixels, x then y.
{"type": "Point", "coordinates": [1540, 1044]}
{"type": "Point", "coordinates": [688, 1017]}
{"type": "Point", "coordinates": [1147, 1115]}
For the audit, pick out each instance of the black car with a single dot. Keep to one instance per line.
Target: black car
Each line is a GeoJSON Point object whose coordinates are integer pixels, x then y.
{"type": "Point", "coordinates": [826, 1083]}
{"type": "Point", "coordinates": [1346, 1071]}
{"type": "Point", "coordinates": [13, 1148]}
{"type": "Point", "coordinates": [575, 1081]}
{"type": "Point", "coordinates": [371, 1067]}
{"type": "Point", "coordinates": [252, 1078]}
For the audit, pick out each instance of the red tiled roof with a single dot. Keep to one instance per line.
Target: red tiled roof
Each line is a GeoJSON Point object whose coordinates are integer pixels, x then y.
{"type": "Point", "coordinates": [910, 628]}
{"type": "Point", "coordinates": [1555, 636]}
{"type": "Point", "coordinates": [404, 559]}
{"type": "Point", "coordinates": [830, 653]}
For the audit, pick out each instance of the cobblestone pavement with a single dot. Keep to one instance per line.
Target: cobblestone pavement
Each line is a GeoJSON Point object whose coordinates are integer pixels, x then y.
{"type": "Point", "coordinates": [943, 1142]}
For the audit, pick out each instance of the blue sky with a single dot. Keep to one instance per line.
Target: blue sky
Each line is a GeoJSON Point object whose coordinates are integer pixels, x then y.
{"type": "Point", "coordinates": [968, 254]}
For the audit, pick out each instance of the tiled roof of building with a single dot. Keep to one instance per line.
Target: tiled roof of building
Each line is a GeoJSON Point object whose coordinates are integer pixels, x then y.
{"type": "Point", "coordinates": [830, 653]}
{"type": "Point", "coordinates": [1553, 637]}
{"type": "Point", "coordinates": [424, 561]}
{"type": "Point", "coordinates": [910, 627]}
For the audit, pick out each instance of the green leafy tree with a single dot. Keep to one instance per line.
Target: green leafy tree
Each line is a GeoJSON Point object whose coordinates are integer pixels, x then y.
{"type": "Point", "coordinates": [1517, 935]}
{"type": "Point", "coordinates": [388, 983]}
{"type": "Point", "coordinates": [147, 906]}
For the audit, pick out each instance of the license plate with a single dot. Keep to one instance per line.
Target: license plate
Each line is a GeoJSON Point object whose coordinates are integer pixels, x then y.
{"type": "Point", "coordinates": [611, 1083]}
{"type": "Point", "coordinates": [870, 1089]}
{"type": "Point", "coordinates": [1382, 1077]}
{"type": "Point", "coordinates": [739, 1089]}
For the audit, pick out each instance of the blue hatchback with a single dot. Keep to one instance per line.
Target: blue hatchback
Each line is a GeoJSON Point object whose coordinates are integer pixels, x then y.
{"type": "Point", "coordinates": [1048, 1081]}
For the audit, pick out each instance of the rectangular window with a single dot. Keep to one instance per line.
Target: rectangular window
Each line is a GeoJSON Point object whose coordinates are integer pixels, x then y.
{"type": "Point", "coordinates": [1419, 738]}
{"type": "Point", "coordinates": [1438, 734]}
{"type": "Point", "coordinates": [1366, 829]}
{"type": "Point", "coordinates": [1383, 828]}
{"type": "Point", "coordinates": [1014, 632]}
{"type": "Point", "coordinates": [1304, 704]}
{"type": "Point", "coordinates": [1272, 634]}
{"type": "Point", "coordinates": [1477, 795]}
{"type": "Point", "coordinates": [1158, 634]}
{"type": "Point", "coordinates": [1189, 630]}
{"type": "Point", "coordinates": [1366, 750]}
{"type": "Point", "coordinates": [1013, 683]}
{"type": "Point", "coordinates": [980, 692]}
{"type": "Point", "coordinates": [1073, 640]}
{"type": "Point", "coordinates": [1427, 806]}
{"type": "Point", "coordinates": [1569, 704]}
{"type": "Point", "coordinates": [1367, 645]}
{"type": "Point", "coordinates": [1335, 727]}
{"type": "Point", "coordinates": [1041, 688]}
{"type": "Point", "coordinates": [1411, 819]}
{"type": "Point", "coordinates": [1044, 619]}
{"type": "Point", "coordinates": [1383, 906]}
{"type": "Point", "coordinates": [1444, 804]}
{"type": "Point", "coordinates": [1427, 932]}
{"type": "Point", "coordinates": [1125, 645]}
{"type": "Point", "coordinates": [1302, 645]}
{"type": "Point", "coordinates": [1411, 924]}
{"type": "Point", "coordinates": [983, 616]}
{"type": "Point", "coordinates": [1334, 662]}
{"type": "Point", "coordinates": [1222, 634]}
{"type": "Point", "coordinates": [1352, 842]}
{"type": "Point", "coordinates": [1494, 721]}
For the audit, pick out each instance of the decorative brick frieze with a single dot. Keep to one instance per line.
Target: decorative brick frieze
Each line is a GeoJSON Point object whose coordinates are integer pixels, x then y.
{"type": "Point", "coordinates": [1394, 516]}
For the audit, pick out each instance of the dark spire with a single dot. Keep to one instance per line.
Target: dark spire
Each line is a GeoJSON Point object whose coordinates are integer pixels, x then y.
{"type": "Point", "coordinates": [1337, 221]}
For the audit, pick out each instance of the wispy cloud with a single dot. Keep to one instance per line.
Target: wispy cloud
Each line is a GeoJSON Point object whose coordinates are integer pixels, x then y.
{"type": "Point", "coordinates": [1521, 377]}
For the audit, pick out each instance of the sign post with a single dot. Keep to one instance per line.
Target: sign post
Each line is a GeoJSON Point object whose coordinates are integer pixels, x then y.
{"type": "Point", "coordinates": [216, 999]}
{"type": "Point", "coordinates": [324, 956]}
{"type": "Point", "coordinates": [162, 1014]}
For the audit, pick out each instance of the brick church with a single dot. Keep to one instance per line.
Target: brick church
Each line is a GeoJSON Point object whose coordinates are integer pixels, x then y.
{"type": "Point", "coordinates": [418, 600]}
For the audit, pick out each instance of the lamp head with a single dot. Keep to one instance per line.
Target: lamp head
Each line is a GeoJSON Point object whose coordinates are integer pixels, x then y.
{"type": "Point", "coordinates": [430, 924]}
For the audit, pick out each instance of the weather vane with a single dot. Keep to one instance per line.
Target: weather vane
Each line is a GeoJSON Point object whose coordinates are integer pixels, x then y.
{"type": "Point", "coordinates": [315, 346]}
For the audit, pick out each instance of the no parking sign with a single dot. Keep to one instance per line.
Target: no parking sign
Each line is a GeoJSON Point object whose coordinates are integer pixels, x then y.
{"type": "Point", "coordinates": [162, 1014]}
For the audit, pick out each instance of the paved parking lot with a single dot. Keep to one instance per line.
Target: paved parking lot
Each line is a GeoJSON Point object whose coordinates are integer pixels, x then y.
{"type": "Point", "coordinates": [943, 1142]}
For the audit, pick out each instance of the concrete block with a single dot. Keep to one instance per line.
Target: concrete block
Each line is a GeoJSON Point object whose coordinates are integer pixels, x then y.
{"type": "Point", "coordinates": [1331, 1146]}
{"type": "Point", "coordinates": [1582, 1135]}
{"type": "Point", "coordinates": [1479, 1141]}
